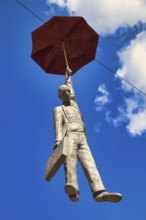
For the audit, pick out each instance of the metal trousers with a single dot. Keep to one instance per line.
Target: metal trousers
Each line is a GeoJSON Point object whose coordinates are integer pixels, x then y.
{"type": "Point", "coordinates": [78, 149]}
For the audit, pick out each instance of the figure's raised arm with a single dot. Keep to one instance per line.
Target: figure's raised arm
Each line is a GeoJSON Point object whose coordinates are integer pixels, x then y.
{"type": "Point", "coordinates": [68, 81]}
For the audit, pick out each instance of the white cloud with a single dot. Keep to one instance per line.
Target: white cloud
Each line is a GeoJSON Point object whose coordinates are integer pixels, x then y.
{"type": "Point", "coordinates": [97, 127]}
{"type": "Point", "coordinates": [60, 3]}
{"type": "Point", "coordinates": [116, 121]}
{"type": "Point", "coordinates": [133, 69]}
{"type": "Point", "coordinates": [106, 16]}
{"type": "Point", "coordinates": [137, 120]}
{"type": "Point", "coordinates": [102, 99]}
{"type": "Point", "coordinates": [133, 60]}
{"type": "Point", "coordinates": [133, 115]}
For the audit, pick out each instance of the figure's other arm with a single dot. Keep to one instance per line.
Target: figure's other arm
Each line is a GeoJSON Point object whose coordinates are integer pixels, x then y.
{"type": "Point", "coordinates": [58, 121]}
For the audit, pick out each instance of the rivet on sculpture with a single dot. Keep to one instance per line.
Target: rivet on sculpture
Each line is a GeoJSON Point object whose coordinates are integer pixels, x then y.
{"type": "Point", "coordinates": [68, 43]}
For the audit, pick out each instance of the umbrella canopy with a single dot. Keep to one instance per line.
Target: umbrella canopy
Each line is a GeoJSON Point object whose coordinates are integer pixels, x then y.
{"type": "Point", "coordinates": [64, 41]}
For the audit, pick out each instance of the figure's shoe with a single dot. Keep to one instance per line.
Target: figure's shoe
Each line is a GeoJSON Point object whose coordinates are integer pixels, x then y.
{"type": "Point", "coordinates": [72, 193]}
{"type": "Point", "coordinates": [109, 197]}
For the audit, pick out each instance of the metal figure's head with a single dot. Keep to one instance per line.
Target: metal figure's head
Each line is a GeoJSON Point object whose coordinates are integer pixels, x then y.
{"type": "Point", "coordinates": [64, 93]}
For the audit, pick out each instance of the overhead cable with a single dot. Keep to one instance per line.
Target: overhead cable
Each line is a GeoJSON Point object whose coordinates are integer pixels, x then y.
{"type": "Point", "coordinates": [30, 11]}
{"type": "Point", "coordinates": [112, 71]}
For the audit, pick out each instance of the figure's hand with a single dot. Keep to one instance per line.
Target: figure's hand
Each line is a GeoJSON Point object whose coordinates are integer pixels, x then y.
{"type": "Point", "coordinates": [56, 144]}
{"type": "Point", "coordinates": [68, 71]}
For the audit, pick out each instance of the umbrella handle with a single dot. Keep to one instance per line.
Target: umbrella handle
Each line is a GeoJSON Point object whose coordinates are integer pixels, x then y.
{"type": "Point", "coordinates": [66, 60]}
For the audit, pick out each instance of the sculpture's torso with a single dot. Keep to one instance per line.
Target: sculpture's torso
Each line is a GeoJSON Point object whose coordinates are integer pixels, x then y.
{"type": "Point", "coordinates": [74, 119]}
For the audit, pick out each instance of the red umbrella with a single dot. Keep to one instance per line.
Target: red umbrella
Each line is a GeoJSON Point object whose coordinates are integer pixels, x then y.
{"type": "Point", "coordinates": [64, 41]}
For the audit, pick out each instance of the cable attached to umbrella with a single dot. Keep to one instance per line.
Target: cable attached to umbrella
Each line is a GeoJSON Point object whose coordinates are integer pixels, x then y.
{"type": "Point", "coordinates": [30, 11]}
{"type": "Point", "coordinates": [110, 70]}
{"type": "Point", "coordinates": [66, 60]}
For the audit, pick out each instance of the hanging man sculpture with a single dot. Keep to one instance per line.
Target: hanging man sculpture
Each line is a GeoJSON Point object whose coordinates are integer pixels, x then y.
{"type": "Point", "coordinates": [69, 128]}
{"type": "Point", "coordinates": [50, 42]}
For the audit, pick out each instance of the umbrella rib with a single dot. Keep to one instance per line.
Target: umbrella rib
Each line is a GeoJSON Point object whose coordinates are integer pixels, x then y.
{"type": "Point", "coordinates": [72, 30]}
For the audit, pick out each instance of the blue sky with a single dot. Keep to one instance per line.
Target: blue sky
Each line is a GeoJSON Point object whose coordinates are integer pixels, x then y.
{"type": "Point", "coordinates": [114, 113]}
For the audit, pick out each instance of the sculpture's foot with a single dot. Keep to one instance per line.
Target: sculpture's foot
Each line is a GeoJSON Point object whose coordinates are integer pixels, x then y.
{"type": "Point", "coordinates": [109, 197]}
{"type": "Point", "coordinates": [72, 193]}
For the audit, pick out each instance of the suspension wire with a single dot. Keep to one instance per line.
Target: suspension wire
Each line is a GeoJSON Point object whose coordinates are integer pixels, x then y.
{"type": "Point", "coordinates": [110, 70]}
{"type": "Point", "coordinates": [30, 11]}
{"type": "Point", "coordinates": [102, 64]}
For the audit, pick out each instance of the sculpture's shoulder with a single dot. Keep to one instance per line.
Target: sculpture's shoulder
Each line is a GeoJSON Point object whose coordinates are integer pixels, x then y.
{"type": "Point", "coordinates": [57, 110]}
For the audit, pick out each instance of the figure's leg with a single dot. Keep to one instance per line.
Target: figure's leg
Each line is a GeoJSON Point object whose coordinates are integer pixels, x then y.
{"type": "Point", "coordinates": [71, 187]}
{"type": "Point", "coordinates": [89, 166]}
{"type": "Point", "coordinates": [95, 182]}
